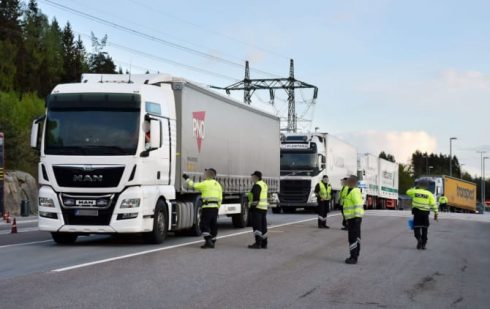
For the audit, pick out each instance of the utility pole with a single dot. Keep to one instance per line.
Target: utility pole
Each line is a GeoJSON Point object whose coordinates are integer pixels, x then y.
{"type": "Point", "coordinates": [289, 84]}
{"type": "Point", "coordinates": [483, 184]}
{"type": "Point", "coordinates": [451, 155]}
{"type": "Point", "coordinates": [461, 170]}
{"type": "Point", "coordinates": [482, 189]}
{"type": "Point", "coordinates": [292, 123]}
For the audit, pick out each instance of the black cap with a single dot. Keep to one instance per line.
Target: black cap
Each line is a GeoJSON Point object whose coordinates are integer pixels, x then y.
{"type": "Point", "coordinates": [345, 178]}
{"type": "Point", "coordinates": [325, 176]}
{"type": "Point", "coordinates": [258, 174]}
{"type": "Point", "coordinates": [212, 170]}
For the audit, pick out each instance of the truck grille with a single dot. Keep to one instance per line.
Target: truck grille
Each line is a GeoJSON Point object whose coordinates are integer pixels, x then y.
{"type": "Point", "coordinates": [295, 191]}
{"type": "Point", "coordinates": [81, 177]}
{"type": "Point", "coordinates": [103, 218]}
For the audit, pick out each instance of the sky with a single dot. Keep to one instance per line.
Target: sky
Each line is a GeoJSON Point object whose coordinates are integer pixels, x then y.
{"type": "Point", "coordinates": [397, 76]}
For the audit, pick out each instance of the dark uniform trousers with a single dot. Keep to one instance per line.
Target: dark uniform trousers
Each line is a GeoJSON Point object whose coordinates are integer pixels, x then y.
{"type": "Point", "coordinates": [259, 222]}
{"type": "Point", "coordinates": [323, 211]}
{"type": "Point", "coordinates": [209, 226]}
{"type": "Point", "coordinates": [420, 224]}
{"type": "Point", "coordinates": [354, 229]}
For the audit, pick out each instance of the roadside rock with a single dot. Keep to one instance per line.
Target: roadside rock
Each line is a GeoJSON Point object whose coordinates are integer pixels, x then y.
{"type": "Point", "coordinates": [20, 186]}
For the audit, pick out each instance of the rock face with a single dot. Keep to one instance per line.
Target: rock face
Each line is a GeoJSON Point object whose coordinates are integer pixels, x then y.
{"type": "Point", "coordinates": [20, 186]}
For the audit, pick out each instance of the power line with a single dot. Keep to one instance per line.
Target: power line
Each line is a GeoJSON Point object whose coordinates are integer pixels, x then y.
{"type": "Point", "coordinates": [147, 36]}
{"type": "Point", "coordinates": [202, 28]}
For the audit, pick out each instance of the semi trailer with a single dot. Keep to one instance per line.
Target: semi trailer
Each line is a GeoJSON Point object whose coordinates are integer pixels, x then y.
{"type": "Point", "coordinates": [113, 150]}
{"type": "Point", "coordinates": [378, 181]}
{"type": "Point", "coordinates": [305, 158]}
{"type": "Point", "coordinates": [461, 194]}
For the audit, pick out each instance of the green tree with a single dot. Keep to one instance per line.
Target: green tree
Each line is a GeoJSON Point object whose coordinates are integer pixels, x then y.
{"type": "Point", "coordinates": [99, 61]}
{"type": "Point", "coordinates": [389, 157]}
{"type": "Point", "coordinates": [405, 180]}
{"type": "Point", "coordinates": [52, 64]}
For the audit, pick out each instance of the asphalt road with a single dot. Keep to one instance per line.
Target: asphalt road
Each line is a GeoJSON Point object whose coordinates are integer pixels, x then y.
{"type": "Point", "coordinates": [303, 268]}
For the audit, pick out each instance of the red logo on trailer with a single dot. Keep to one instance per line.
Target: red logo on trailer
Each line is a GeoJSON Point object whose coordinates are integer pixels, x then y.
{"type": "Point", "coordinates": [198, 128]}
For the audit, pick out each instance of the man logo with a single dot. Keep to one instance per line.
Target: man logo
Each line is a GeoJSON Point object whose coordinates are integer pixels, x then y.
{"type": "Point", "coordinates": [198, 128]}
{"type": "Point", "coordinates": [87, 178]}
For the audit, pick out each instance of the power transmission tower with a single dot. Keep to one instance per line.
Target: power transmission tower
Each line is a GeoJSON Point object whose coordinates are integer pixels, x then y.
{"type": "Point", "coordinates": [289, 84]}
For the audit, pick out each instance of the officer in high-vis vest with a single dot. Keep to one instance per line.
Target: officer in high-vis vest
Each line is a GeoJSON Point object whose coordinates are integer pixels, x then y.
{"type": "Point", "coordinates": [211, 196]}
{"type": "Point", "coordinates": [443, 203]}
{"type": "Point", "coordinates": [353, 207]}
{"type": "Point", "coordinates": [323, 192]}
{"type": "Point", "coordinates": [343, 194]}
{"type": "Point", "coordinates": [258, 204]}
{"type": "Point", "coordinates": [422, 202]}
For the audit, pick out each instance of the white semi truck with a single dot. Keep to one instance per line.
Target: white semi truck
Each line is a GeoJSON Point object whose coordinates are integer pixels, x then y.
{"type": "Point", "coordinates": [113, 150]}
{"type": "Point", "coordinates": [379, 181]}
{"type": "Point", "coordinates": [305, 158]}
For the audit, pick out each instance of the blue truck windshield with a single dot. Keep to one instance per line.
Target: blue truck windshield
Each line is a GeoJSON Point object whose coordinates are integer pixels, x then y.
{"type": "Point", "coordinates": [92, 124]}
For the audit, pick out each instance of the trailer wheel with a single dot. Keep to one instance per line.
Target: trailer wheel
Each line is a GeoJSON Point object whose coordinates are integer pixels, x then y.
{"type": "Point", "coordinates": [241, 220]}
{"type": "Point", "coordinates": [196, 228]}
{"type": "Point", "coordinates": [160, 222]}
{"type": "Point", "coordinates": [64, 238]}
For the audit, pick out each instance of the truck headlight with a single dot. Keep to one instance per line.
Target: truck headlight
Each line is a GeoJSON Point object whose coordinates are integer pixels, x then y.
{"type": "Point", "coordinates": [130, 203]}
{"type": "Point", "coordinates": [46, 202]}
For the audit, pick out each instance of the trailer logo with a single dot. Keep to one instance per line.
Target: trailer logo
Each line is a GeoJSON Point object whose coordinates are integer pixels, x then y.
{"type": "Point", "coordinates": [198, 128]}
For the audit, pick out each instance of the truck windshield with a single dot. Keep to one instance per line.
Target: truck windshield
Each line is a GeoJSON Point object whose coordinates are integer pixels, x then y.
{"type": "Point", "coordinates": [92, 124]}
{"type": "Point", "coordinates": [299, 161]}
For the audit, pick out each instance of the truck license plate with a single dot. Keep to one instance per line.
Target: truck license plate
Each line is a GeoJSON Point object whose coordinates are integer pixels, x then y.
{"type": "Point", "coordinates": [86, 212]}
{"type": "Point", "coordinates": [85, 202]}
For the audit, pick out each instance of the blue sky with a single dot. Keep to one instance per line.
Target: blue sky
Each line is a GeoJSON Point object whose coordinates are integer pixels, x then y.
{"type": "Point", "coordinates": [392, 75]}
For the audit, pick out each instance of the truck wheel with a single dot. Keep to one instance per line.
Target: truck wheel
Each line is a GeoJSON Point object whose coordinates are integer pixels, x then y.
{"type": "Point", "coordinates": [241, 220]}
{"type": "Point", "coordinates": [160, 222]}
{"type": "Point", "coordinates": [196, 229]}
{"type": "Point", "coordinates": [276, 210]}
{"type": "Point", "coordinates": [64, 238]}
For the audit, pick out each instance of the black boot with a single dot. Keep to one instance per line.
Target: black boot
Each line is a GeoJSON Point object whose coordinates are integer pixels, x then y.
{"type": "Point", "coordinates": [257, 244]}
{"type": "Point", "coordinates": [208, 243]}
{"type": "Point", "coordinates": [419, 244]}
{"type": "Point", "coordinates": [422, 246]}
{"type": "Point", "coordinates": [264, 243]}
{"type": "Point", "coordinates": [351, 260]}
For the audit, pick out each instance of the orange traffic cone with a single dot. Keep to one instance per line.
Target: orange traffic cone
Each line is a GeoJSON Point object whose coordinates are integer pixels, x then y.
{"type": "Point", "coordinates": [14, 227]}
{"type": "Point", "coordinates": [8, 217]}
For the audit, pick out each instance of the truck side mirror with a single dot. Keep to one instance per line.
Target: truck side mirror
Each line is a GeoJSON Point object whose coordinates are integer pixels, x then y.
{"type": "Point", "coordinates": [155, 134]}
{"type": "Point", "coordinates": [323, 161]}
{"type": "Point", "coordinates": [35, 132]}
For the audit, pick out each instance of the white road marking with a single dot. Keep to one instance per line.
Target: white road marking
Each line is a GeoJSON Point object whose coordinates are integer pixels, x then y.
{"type": "Point", "coordinates": [25, 243]}
{"type": "Point", "coordinates": [121, 257]}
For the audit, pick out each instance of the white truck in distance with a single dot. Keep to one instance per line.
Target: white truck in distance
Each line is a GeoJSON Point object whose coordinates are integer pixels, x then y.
{"type": "Point", "coordinates": [102, 171]}
{"type": "Point", "coordinates": [379, 181]}
{"type": "Point", "coordinates": [305, 158]}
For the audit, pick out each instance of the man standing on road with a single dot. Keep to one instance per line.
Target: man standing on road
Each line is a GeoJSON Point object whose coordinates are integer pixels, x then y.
{"type": "Point", "coordinates": [443, 203]}
{"type": "Point", "coordinates": [343, 194]}
{"type": "Point", "coordinates": [323, 192]}
{"type": "Point", "coordinates": [211, 195]}
{"type": "Point", "coordinates": [258, 204]}
{"type": "Point", "coordinates": [422, 202]}
{"type": "Point", "coordinates": [353, 207]}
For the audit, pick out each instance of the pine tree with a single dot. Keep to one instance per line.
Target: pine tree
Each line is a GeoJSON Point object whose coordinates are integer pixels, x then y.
{"type": "Point", "coordinates": [99, 61]}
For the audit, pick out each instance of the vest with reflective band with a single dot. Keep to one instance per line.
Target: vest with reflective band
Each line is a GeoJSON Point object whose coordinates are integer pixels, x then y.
{"type": "Point", "coordinates": [211, 192]}
{"type": "Point", "coordinates": [443, 200]}
{"type": "Point", "coordinates": [422, 199]}
{"type": "Point", "coordinates": [343, 194]}
{"type": "Point", "coordinates": [325, 191]}
{"type": "Point", "coordinates": [353, 205]}
{"type": "Point", "coordinates": [263, 202]}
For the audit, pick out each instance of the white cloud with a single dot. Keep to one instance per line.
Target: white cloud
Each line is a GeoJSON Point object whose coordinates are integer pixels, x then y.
{"type": "Point", "coordinates": [399, 143]}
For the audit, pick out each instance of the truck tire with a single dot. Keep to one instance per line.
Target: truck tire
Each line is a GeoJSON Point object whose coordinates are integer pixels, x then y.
{"type": "Point", "coordinates": [160, 222]}
{"type": "Point", "coordinates": [64, 238]}
{"type": "Point", "coordinates": [276, 210]}
{"type": "Point", "coordinates": [289, 210]}
{"type": "Point", "coordinates": [196, 229]}
{"type": "Point", "coordinates": [241, 220]}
